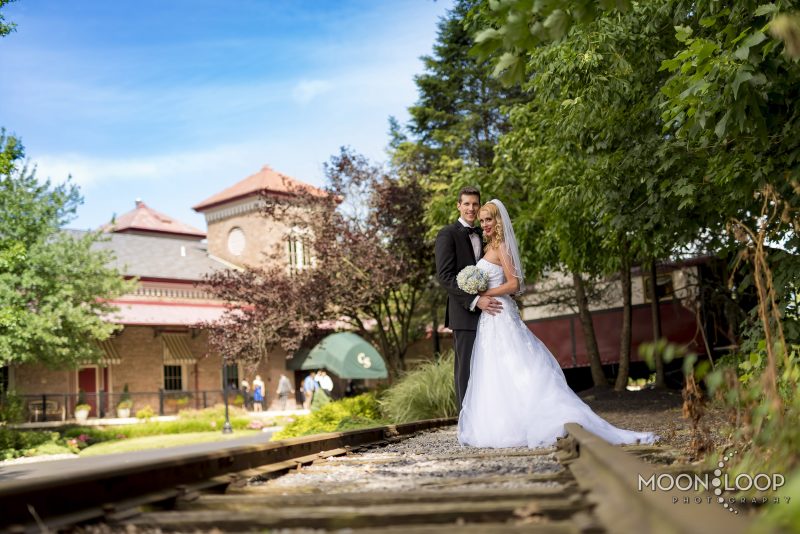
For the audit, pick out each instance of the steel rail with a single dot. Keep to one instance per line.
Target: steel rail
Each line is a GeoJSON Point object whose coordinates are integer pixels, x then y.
{"type": "Point", "coordinates": [58, 500]}
{"type": "Point", "coordinates": [610, 475]}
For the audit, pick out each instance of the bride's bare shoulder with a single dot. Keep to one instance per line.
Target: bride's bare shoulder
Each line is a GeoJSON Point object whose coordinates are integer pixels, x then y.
{"type": "Point", "coordinates": [492, 255]}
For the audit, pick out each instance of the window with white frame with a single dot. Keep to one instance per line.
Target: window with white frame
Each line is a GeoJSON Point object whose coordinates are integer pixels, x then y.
{"type": "Point", "coordinates": [298, 251]}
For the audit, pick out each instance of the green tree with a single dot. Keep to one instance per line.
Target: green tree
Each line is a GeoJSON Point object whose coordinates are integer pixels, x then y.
{"type": "Point", "coordinates": [601, 191]}
{"type": "Point", "coordinates": [369, 269]}
{"type": "Point", "coordinates": [509, 30]}
{"type": "Point", "coordinates": [734, 95]}
{"type": "Point", "coordinates": [54, 289]}
{"type": "Point", "coordinates": [457, 120]}
{"type": "Point", "coordinates": [5, 27]}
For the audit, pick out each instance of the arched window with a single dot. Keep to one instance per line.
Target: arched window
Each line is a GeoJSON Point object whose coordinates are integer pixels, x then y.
{"type": "Point", "coordinates": [298, 250]}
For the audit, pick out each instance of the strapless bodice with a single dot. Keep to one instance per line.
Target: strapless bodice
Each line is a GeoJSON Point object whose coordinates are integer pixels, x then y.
{"type": "Point", "coordinates": [496, 275]}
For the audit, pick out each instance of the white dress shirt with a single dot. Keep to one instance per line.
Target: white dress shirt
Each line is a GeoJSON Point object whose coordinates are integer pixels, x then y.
{"type": "Point", "coordinates": [476, 240]}
{"type": "Point", "coordinates": [476, 249]}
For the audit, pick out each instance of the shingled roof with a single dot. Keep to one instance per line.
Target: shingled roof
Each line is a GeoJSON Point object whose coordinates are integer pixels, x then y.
{"type": "Point", "coordinates": [153, 256]}
{"type": "Point", "coordinates": [145, 220]}
{"type": "Point", "coordinates": [266, 180]}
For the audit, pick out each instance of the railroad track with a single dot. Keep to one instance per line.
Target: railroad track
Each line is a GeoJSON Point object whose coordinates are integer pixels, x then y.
{"type": "Point", "coordinates": [395, 478]}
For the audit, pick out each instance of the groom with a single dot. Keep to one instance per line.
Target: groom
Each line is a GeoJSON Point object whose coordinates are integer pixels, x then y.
{"type": "Point", "coordinates": [457, 246]}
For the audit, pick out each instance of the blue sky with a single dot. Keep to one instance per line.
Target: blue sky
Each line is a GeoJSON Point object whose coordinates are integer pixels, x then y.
{"type": "Point", "coordinates": [171, 101]}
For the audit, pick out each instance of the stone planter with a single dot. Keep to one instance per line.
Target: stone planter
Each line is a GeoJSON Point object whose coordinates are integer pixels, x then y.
{"type": "Point", "coordinates": [123, 413]}
{"type": "Point", "coordinates": [82, 414]}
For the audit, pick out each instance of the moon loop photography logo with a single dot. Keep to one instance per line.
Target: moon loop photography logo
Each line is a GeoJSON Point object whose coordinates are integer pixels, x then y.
{"type": "Point", "coordinates": [724, 486]}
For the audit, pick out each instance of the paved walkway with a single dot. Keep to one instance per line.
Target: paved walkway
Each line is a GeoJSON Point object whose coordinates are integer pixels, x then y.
{"type": "Point", "coordinates": [77, 464]}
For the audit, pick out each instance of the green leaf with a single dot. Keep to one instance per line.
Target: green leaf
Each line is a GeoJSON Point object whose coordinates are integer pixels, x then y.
{"type": "Point", "coordinates": [752, 40]}
{"type": "Point", "coordinates": [682, 33]}
{"type": "Point", "coordinates": [713, 381]}
{"type": "Point", "coordinates": [506, 62]}
{"type": "Point", "coordinates": [705, 50]}
{"type": "Point", "coordinates": [722, 125]}
{"type": "Point", "coordinates": [557, 24]}
{"type": "Point", "coordinates": [688, 364]}
{"type": "Point", "coordinates": [702, 369]}
{"type": "Point", "coordinates": [765, 9]}
{"type": "Point", "coordinates": [741, 77]}
{"type": "Point", "coordinates": [707, 22]}
{"type": "Point", "coordinates": [488, 34]}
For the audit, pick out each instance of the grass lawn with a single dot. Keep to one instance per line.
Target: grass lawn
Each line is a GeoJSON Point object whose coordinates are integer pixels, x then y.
{"type": "Point", "coordinates": [161, 442]}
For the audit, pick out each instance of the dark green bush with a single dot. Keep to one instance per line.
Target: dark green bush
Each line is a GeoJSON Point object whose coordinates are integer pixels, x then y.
{"type": "Point", "coordinates": [12, 407]}
{"type": "Point", "coordinates": [15, 443]}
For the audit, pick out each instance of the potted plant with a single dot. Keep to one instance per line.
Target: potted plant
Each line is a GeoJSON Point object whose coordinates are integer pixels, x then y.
{"type": "Point", "coordinates": [82, 409]}
{"type": "Point", "coordinates": [125, 403]}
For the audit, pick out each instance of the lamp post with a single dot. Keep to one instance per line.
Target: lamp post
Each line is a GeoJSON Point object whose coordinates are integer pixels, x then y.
{"type": "Point", "coordinates": [226, 428]}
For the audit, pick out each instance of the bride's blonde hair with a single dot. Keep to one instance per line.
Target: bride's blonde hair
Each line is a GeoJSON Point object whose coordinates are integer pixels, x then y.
{"type": "Point", "coordinates": [497, 235]}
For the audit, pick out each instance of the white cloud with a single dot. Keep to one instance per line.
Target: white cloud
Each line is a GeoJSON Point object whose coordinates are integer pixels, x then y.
{"type": "Point", "coordinates": [305, 91]}
{"type": "Point", "coordinates": [89, 171]}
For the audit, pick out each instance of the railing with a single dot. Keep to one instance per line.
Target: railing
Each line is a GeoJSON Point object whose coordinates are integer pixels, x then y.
{"type": "Point", "coordinates": [61, 406]}
{"type": "Point", "coordinates": [172, 293]}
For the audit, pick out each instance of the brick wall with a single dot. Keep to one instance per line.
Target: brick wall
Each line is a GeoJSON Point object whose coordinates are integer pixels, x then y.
{"type": "Point", "coordinates": [262, 237]}
{"type": "Point", "coordinates": [141, 368]}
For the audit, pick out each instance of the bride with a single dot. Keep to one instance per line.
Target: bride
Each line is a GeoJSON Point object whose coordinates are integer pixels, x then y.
{"type": "Point", "coordinates": [517, 394]}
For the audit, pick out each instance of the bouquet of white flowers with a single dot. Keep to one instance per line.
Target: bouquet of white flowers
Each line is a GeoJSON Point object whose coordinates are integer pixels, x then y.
{"type": "Point", "coordinates": [471, 280]}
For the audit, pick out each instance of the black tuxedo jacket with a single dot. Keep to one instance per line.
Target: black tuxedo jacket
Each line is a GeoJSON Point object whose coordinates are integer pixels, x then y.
{"type": "Point", "coordinates": [453, 253]}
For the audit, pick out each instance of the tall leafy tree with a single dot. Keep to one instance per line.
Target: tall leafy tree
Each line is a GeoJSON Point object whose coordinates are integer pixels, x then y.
{"type": "Point", "coordinates": [599, 188]}
{"type": "Point", "coordinates": [734, 95]}
{"type": "Point", "coordinates": [704, 154]}
{"type": "Point", "coordinates": [370, 269]}
{"type": "Point", "coordinates": [54, 289]}
{"type": "Point", "coordinates": [457, 120]}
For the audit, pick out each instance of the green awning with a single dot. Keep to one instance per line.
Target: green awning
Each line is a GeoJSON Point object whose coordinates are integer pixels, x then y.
{"type": "Point", "coordinates": [345, 354]}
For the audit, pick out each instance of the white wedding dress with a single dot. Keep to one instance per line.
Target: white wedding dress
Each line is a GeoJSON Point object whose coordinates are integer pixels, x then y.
{"type": "Point", "coordinates": [517, 394]}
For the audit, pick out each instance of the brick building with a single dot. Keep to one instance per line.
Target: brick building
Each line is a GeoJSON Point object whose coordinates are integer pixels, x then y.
{"type": "Point", "coordinates": [159, 353]}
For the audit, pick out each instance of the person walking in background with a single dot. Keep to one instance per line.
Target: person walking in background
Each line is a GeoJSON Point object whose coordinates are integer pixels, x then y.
{"type": "Point", "coordinates": [284, 390]}
{"type": "Point", "coordinates": [309, 386]}
{"type": "Point", "coordinates": [245, 388]}
{"type": "Point", "coordinates": [325, 382]}
{"type": "Point", "coordinates": [258, 394]}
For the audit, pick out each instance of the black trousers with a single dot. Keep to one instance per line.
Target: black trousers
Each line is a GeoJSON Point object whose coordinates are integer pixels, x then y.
{"type": "Point", "coordinates": [463, 341]}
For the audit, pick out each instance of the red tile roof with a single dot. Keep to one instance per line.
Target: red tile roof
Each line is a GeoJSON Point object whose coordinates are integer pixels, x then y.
{"type": "Point", "coordinates": [144, 219]}
{"type": "Point", "coordinates": [266, 180]}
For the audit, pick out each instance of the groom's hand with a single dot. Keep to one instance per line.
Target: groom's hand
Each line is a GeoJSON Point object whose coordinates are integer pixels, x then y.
{"type": "Point", "coordinates": [490, 305]}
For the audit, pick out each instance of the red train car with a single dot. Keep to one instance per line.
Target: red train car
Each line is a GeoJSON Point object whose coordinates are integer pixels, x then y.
{"type": "Point", "coordinates": [684, 319]}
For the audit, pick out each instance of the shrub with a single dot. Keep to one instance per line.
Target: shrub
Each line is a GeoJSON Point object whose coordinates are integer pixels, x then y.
{"type": "Point", "coordinates": [15, 443]}
{"type": "Point", "coordinates": [349, 413]}
{"type": "Point", "coordinates": [319, 400]}
{"type": "Point", "coordinates": [125, 401]}
{"type": "Point", "coordinates": [763, 431]}
{"type": "Point", "coordinates": [145, 413]}
{"type": "Point", "coordinates": [427, 392]}
{"type": "Point", "coordinates": [210, 418]}
{"type": "Point", "coordinates": [188, 421]}
{"type": "Point", "coordinates": [12, 407]}
{"type": "Point", "coordinates": [82, 404]}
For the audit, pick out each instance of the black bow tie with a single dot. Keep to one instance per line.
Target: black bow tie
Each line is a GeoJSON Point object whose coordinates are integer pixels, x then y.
{"type": "Point", "coordinates": [472, 230]}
